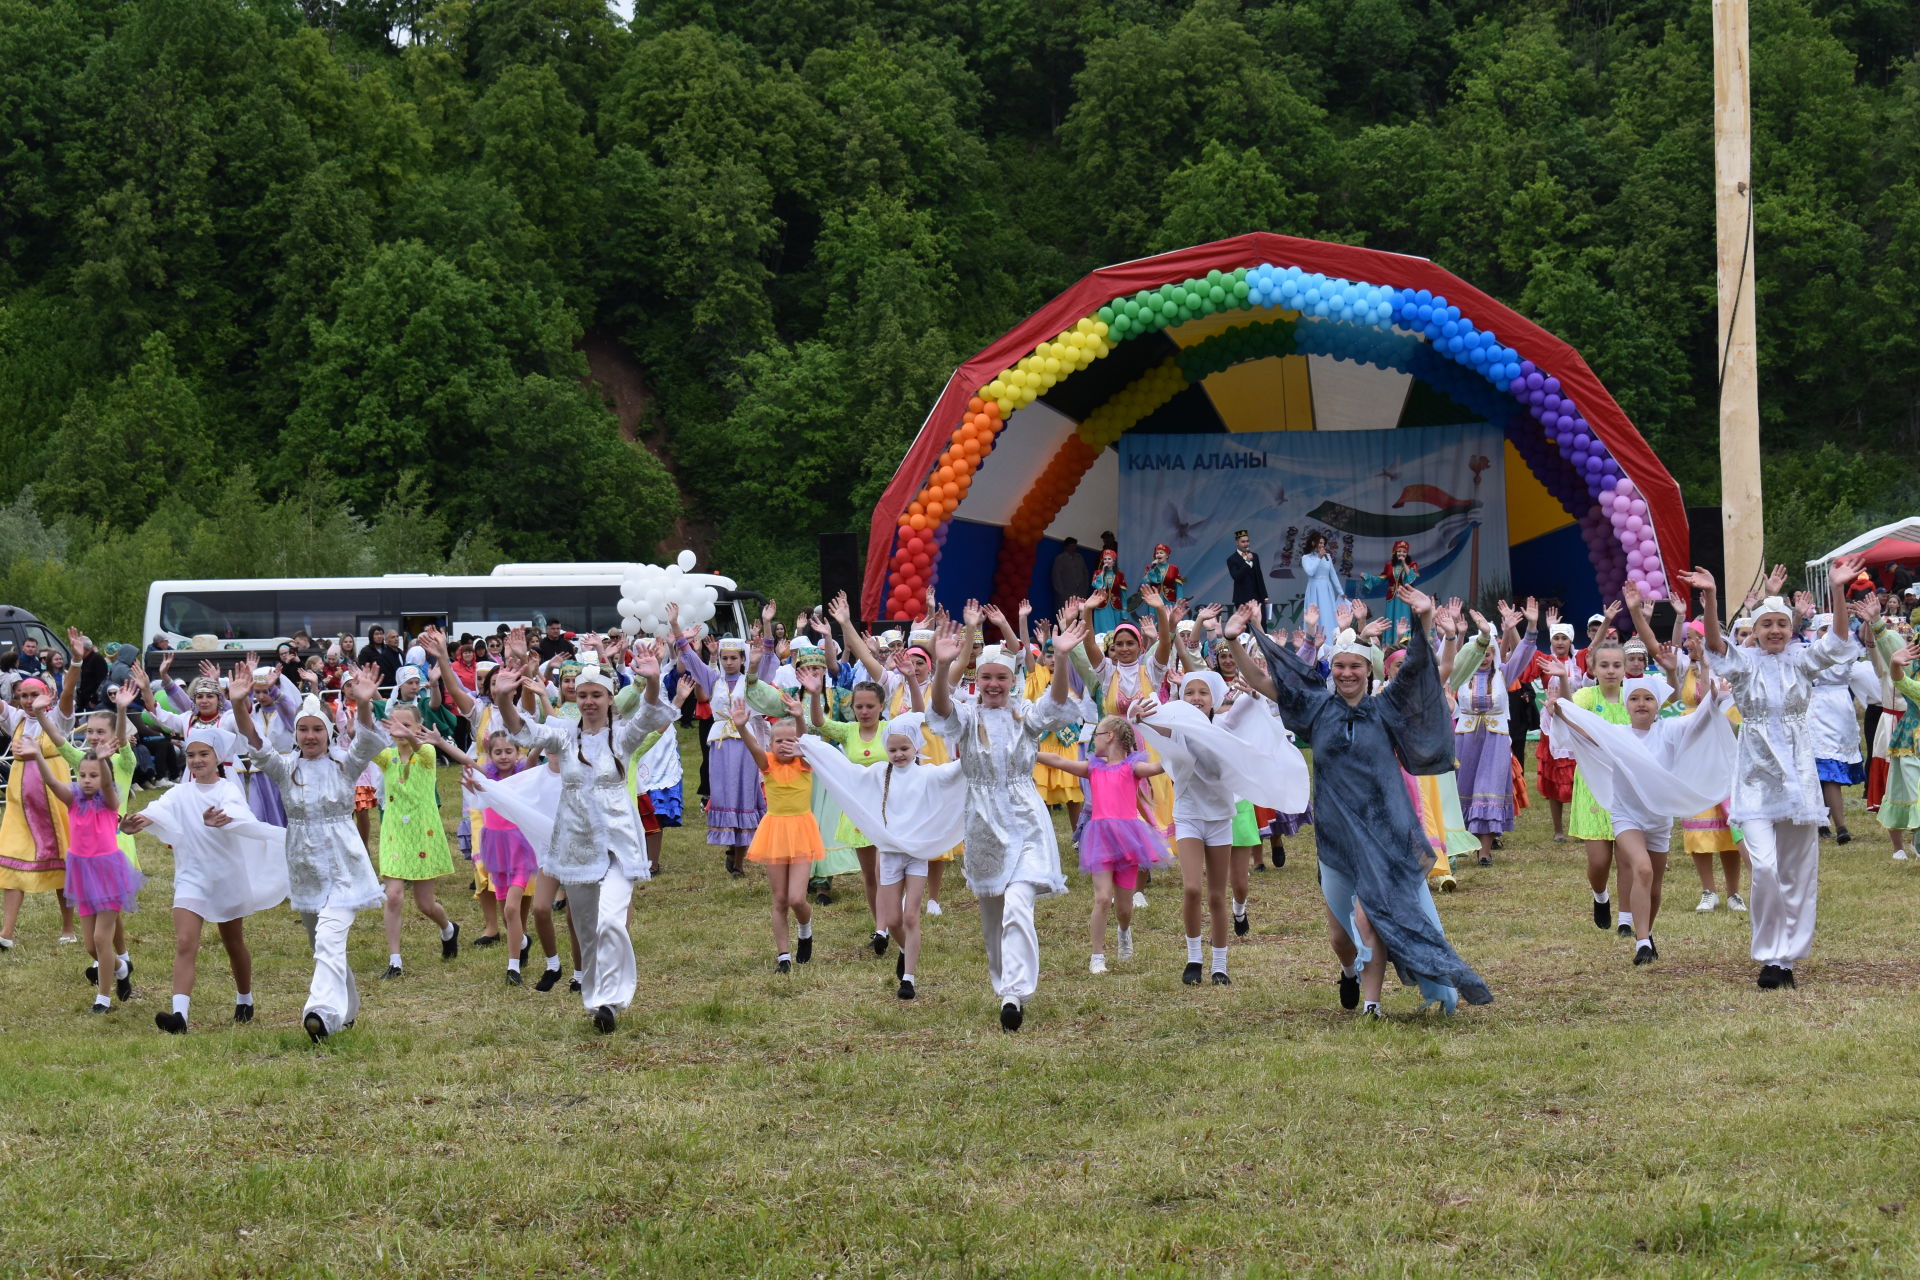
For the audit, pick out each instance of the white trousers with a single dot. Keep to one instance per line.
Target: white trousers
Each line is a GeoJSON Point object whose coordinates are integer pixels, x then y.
{"type": "Point", "coordinates": [599, 915]}
{"type": "Point", "coordinates": [1013, 945]}
{"type": "Point", "coordinates": [1785, 860]}
{"type": "Point", "coordinates": [333, 994]}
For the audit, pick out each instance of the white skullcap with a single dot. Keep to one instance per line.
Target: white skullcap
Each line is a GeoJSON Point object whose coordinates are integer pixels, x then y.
{"type": "Point", "coordinates": [907, 725]}
{"type": "Point", "coordinates": [593, 675]}
{"type": "Point", "coordinates": [311, 708]}
{"type": "Point", "coordinates": [265, 675]}
{"type": "Point", "coordinates": [1635, 645]}
{"type": "Point", "coordinates": [995, 655]}
{"type": "Point", "coordinates": [923, 638]}
{"type": "Point", "coordinates": [1560, 629]}
{"type": "Point", "coordinates": [405, 674]}
{"type": "Point", "coordinates": [732, 644]}
{"type": "Point", "coordinates": [1185, 625]}
{"type": "Point", "coordinates": [1648, 684]}
{"type": "Point", "coordinates": [890, 637]}
{"type": "Point", "coordinates": [1743, 624]}
{"type": "Point", "coordinates": [1822, 620]}
{"type": "Point", "coordinates": [1772, 604]}
{"type": "Point", "coordinates": [1598, 617]}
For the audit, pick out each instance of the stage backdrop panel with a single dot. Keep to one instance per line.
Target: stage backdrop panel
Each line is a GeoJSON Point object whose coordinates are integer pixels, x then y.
{"type": "Point", "coordinates": [1443, 489]}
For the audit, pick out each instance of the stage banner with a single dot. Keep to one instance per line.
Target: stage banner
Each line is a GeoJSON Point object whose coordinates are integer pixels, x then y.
{"type": "Point", "coordinates": [1443, 489]}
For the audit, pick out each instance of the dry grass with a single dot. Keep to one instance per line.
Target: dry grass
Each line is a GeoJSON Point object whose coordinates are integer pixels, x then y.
{"type": "Point", "coordinates": [1596, 1120]}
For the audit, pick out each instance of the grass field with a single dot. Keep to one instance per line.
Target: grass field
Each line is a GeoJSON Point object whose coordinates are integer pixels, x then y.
{"type": "Point", "coordinates": [1596, 1120]}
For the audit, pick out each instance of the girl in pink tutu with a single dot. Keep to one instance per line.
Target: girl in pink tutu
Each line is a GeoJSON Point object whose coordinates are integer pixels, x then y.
{"type": "Point", "coordinates": [510, 862]}
{"type": "Point", "coordinates": [101, 881]}
{"type": "Point", "coordinates": [1119, 837]}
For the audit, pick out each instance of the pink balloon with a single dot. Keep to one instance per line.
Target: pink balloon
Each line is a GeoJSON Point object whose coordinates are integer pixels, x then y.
{"type": "Point", "coordinates": [1639, 506]}
{"type": "Point", "coordinates": [1634, 524]}
{"type": "Point", "coordinates": [1633, 561]}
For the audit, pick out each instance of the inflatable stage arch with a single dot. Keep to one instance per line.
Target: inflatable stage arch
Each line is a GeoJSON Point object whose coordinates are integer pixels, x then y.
{"type": "Point", "coordinates": [1287, 386]}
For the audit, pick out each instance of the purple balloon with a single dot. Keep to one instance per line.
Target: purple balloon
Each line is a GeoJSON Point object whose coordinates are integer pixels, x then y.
{"type": "Point", "coordinates": [1552, 384]}
{"type": "Point", "coordinates": [1529, 368]}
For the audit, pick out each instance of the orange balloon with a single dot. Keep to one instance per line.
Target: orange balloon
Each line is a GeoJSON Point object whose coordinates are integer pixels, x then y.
{"type": "Point", "coordinates": [991, 408]}
{"type": "Point", "coordinates": [917, 521]}
{"type": "Point", "coordinates": [916, 508]}
{"type": "Point", "coordinates": [976, 404]}
{"type": "Point", "coordinates": [943, 475]}
{"type": "Point", "coordinates": [951, 494]}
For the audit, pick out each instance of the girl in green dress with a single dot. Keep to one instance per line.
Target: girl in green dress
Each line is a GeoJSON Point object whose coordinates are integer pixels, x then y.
{"type": "Point", "coordinates": [413, 839]}
{"type": "Point", "coordinates": [1586, 820]}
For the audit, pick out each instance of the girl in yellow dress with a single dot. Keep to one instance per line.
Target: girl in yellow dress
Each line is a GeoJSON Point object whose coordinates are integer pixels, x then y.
{"type": "Point", "coordinates": [787, 842]}
{"type": "Point", "coordinates": [33, 832]}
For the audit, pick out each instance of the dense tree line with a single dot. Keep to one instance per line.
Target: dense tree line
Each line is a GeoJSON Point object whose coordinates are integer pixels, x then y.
{"type": "Point", "coordinates": [323, 271]}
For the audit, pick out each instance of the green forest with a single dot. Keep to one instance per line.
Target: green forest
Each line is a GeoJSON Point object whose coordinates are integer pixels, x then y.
{"type": "Point", "coordinates": [385, 285]}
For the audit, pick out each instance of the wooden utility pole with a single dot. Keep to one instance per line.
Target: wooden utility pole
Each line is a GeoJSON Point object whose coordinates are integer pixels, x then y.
{"type": "Point", "coordinates": [1741, 512]}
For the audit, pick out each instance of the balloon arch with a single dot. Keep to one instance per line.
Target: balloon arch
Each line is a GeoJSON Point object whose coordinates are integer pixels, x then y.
{"type": "Point", "coordinates": [1294, 297]}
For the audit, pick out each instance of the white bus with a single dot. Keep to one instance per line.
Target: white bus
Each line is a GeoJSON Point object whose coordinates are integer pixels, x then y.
{"type": "Point", "coordinates": [258, 613]}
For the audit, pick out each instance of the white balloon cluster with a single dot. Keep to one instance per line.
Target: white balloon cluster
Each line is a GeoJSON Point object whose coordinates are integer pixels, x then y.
{"type": "Point", "coordinates": [648, 589]}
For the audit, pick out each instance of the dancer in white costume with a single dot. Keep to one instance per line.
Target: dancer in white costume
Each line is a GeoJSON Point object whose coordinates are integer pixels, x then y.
{"type": "Point", "coordinates": [592, 844]}
{"type": "Point", "coordinates": [1012, 858]}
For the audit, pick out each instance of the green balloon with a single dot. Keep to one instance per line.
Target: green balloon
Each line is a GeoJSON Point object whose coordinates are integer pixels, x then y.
{"type": "Point", "coordinates": [1240, 289]}
{"type": "Point", "coordinates": [1217, 295]}
{"type": "Point", "coordinates": [1169, 308]}
{"type": "Point", "coordinates": [1104, 314]}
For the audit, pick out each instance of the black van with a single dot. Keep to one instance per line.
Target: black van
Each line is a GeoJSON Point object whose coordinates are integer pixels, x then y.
{"type": "Point", "coordinates": [17, 625]}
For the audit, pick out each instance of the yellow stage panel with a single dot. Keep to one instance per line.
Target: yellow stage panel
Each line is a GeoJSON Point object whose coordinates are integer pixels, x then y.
{"type": "Point", "coordinates": [1263, 395]}
{"type": "Point", "coordinates": [1531, 510]}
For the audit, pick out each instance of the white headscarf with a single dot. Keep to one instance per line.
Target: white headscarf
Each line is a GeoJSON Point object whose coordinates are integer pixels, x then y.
{"type": "Point", "coordinates": [1215, 686]}
{"type": "Point", "coordinates": [311, 708]}
{"type": "Point", "coordinates": [407, 673]}
{"type": "Point", "coordinates": [1772, 604]}
{"type": "Point", "coordinates": [998, 656]}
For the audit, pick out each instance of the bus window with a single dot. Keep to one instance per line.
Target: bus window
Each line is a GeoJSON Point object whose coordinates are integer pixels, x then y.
{"type": "Point", "coordinates": [248, 614]}
{"type": "Point", "coordinates": [316, 611]}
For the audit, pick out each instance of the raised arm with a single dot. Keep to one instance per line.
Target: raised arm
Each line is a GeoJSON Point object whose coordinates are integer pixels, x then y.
{"type": "Point", "coordinates": [1702, 581]}
{"type": "Point", "coordinates": [60, 790]}
{"type": "Point", "coordinates": [1637, 611]}
{"type": "Point", "coordinates": [738, 713]}
{"type": "Point", "coordinates": [851, 639]}
{"type": "Point", "coordinates": [1163, 626]}
{"type": "Point", "coordinates": [1063, 645]}
{"type": "Point", "coordinates": [946, 648]}
{"type": "Point", "coordinates": [243, 710]}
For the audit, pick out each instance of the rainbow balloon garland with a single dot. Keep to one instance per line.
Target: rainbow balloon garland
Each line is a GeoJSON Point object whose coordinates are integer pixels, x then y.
{"type": "Point", "coordinates": [1406, 330]}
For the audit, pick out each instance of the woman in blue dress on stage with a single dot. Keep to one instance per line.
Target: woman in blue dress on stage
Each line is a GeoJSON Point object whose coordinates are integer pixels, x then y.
{"type": "Point", "coordinates": [1323, 580]}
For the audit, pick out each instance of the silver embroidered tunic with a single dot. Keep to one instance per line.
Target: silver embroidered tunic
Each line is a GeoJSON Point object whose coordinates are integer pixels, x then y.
{"type": "Point", "coordinates": [327, 864]}
{"type": "Point", "coordinates": [596, 819]}
{"type": "Point", "coordinates": [1009, 831]}
{"type": "Point", "coordinates": [1775, 778]}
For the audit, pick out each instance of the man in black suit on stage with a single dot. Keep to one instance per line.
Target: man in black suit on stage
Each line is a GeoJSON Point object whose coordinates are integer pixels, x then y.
{"type": "Point", "coordinates": [1243, 566]}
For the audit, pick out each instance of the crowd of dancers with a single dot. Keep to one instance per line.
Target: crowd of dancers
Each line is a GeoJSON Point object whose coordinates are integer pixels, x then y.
{"type": "Point", "coordinates": [1171, 740]}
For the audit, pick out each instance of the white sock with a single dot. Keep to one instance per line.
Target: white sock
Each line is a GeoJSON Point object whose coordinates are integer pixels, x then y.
{"type": "Point", "coordinates": [1100, 956]}
{"type": "Point", "coordinates": [1371, 1006]}
{"type": "Point", "coordinates": [446, 934]}
{"type": "Point", "coordinates": [906, 977]}
{"type": "Point", "coordinates": [124, 960]}
{"type": "Point", "coordinates": [393, 959]}
{"type": "Point", "coordinates": [101, 1002]}
{"type": "Point", "coordinates": [243, 997]}
{"type": "Point", "coordinates": [577, 975]}
{"type": "Point", "coordinates": [1125, 932]}
{"type": "Point", "coordinates": [785, 956]}
{"type": "Point", "coordinates": [882, 933]}
{"type": "Point", "coordinates": [1626, 918]}
{"type": "Point", "coordinates": [120, 966]}
{"type": "Point", "coordinates": [806, 930]}
{"type": "Point", "coordinates": [1239, 909]}
{"type": "Point", "coordinates": [553, 964]}
{"type": "Point", "coordinates": [1219, 959]}
{"type": "Point", "coordinates": [1645, 943]}
{"type": "Point", "coordinates": [1193, 951]}
{"type": "Point", "coordinates": [1349, 970]}
{"type": "Point", "coordinates": [513, 965]}
{"type": "Point", "coordinates": [1600, 897]}
{"type": "Point", "coordinates": [180, 1004]}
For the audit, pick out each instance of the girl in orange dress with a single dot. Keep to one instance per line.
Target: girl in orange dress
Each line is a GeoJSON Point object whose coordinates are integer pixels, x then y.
{"type": "Point", "coordinates": [787, 842]}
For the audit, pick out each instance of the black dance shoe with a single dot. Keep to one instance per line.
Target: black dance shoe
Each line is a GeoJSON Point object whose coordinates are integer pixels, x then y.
{"type": "Point", "coordinates": [174, 1024]}
{"type": "Point", "coordinates": [1190, 976]}
{"type": "Point", "coordinates": [1349, 992]}
{"type": "Point", "coordinates": [548, 980]}
{"type": "Point", "coordinates": [1240, 926]}
{"type": "Point", "coordinates": [315, 1027]}
{"type": "Point", "coordinates": [242, 1012]}
{"type": "Point", "coordinates": [1011, 1016]}
{"type": "Point", "coordinates": [1220, 978]}
{"type": "Point", "coordinates": [450, 947]}
{"type": "Point", "coordinates": [803, 951]}
{"type": "Point", "coordinates": [603, 1020]}
{"type": "Point", "coordinates": [906, 991]}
